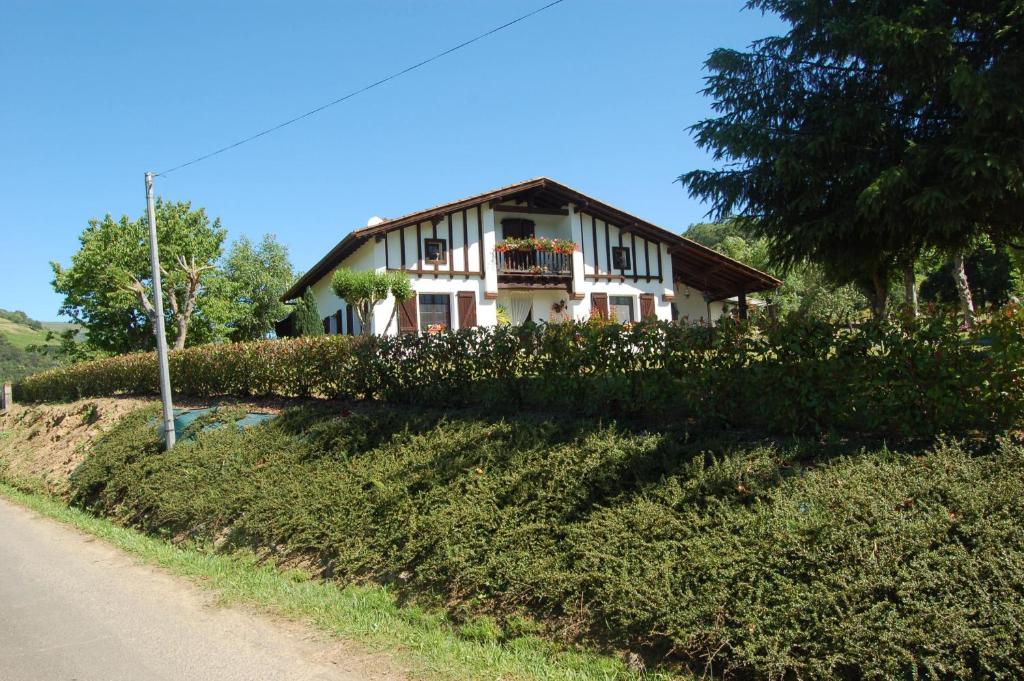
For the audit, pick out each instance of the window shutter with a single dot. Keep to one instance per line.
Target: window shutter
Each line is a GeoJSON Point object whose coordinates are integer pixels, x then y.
{"type": "Point", "coordinates": [599, 302]}
{"type": "Point", "coordinates": [647, 307]}
{"type": "Point", "coordinates": [338, 328]}
{"type": "Point", "coordinates": [407, 316]}
{"type": "Point", "coordinates": [349, 325]}
{"type": "Point", "coordinates": [327, 324]}
{"type": "Point", "coordinates": [467, 309]}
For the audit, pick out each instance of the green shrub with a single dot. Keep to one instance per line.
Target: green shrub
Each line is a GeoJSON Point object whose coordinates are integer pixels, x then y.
{"type": "Point", "coordinates": [746, 560]}
{"type": "Point", "coordinates": [799, 376]}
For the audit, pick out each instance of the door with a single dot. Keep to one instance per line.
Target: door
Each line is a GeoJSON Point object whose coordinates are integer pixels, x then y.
{"type": "Point", "coordinates": [467, 309]}
{"type": "Point", "coordinates": [407, 315]}
{"type": "Point", "coordinates": [647, 307]}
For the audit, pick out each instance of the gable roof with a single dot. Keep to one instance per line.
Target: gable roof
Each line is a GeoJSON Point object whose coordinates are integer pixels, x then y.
{"type": "Point", "coordinates": [698, 266]}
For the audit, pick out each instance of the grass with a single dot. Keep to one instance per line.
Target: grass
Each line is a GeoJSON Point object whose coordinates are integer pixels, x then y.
{"type": "Point", "coordinates": [424, 640]}
{"type": "Point", "coordinates": [21, 336]}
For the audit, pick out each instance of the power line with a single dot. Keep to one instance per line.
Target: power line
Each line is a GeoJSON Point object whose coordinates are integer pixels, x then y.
{"type": "Point", "coordinates": [362, 89]}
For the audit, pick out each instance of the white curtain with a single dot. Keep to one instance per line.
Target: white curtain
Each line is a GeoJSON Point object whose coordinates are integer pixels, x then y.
{"type": "Point", "coordinates": [518, 306]}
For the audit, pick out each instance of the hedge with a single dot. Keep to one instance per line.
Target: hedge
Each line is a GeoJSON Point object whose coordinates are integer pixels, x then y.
{"type": "Point", "coordinates": [905, 378]}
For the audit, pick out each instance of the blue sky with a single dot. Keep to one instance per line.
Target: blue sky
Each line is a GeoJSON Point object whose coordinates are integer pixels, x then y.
{"type": "Point", "coordinates": [594, 93]}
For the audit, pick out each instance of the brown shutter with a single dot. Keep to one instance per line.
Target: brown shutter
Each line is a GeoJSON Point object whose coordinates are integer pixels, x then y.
{"type": "Point", "coordinates": [407, 316]}
{"type": "Point", "coordinates": [338, 328]}
{"type": "Point", "coordinates": [647, 307]}
{"type": "Point", "coordinates": [349, 325]}
{"type": "Point", "coordinates": [599, 302]}
{"type": "Point", "coordinates": [467, 309]}
{"type": "Point", "coordinates": [327, 324]}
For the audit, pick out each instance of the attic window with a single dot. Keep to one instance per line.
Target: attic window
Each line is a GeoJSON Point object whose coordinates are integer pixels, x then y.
{"type": "Point", "coordinates": [435, 251]}
{"type": "Point", "coordinates": [621, 259]}
{"type": "Point", "coordinates": [517, 228]}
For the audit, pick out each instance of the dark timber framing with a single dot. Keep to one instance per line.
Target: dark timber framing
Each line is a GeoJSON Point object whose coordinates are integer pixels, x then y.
{"type": "Point", "coordinates": [480, 236]}
{"type": "Point", "coordinates": [632, 253]}
{"type": "Point", "coordinates": [647, 256]}
{"type": "Point", "coordinates": [622, 270]}
{"type": "Point", "coordinates": [401, 244]}
{"type": "Point", "coordinates": [465, 243]}
{"type": "Point", "coordinates": [433, 226]}
{"type": "Point", "coordinates": [608, 248]}
{"type": "Point", "coordinates": [529, 210]}
{"type": "Point", "coordinates": [451, 244]}
{"type": "Point", "coordinates": [423, 268]}
{"type": "Point", "coordinates": [419, 247]}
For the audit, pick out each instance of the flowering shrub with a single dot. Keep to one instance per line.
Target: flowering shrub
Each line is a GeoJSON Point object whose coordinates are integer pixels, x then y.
{"type": "Point", "coordinates": [901, 378]}
{"type": "Point", "coordinates": [534, 243]}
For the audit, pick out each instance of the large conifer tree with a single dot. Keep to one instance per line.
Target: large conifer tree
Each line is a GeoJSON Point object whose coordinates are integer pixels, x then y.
{"type": "Point", "coordinates": [869, 131]}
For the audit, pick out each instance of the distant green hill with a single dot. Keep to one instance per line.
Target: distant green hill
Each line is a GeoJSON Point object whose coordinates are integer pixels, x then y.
{"type": "Point", "coordinates": [17, 333]}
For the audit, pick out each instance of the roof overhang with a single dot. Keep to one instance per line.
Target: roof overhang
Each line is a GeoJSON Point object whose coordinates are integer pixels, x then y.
{"type": "Point", "coordinates": [698, 266]}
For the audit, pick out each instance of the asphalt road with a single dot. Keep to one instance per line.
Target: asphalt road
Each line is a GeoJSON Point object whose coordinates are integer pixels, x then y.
{"type": "Point", "coordinates": [73, 608]}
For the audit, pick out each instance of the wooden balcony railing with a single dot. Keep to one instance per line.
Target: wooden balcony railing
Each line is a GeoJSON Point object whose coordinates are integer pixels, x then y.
{"type": "Point", "coordinates": [542, 263]}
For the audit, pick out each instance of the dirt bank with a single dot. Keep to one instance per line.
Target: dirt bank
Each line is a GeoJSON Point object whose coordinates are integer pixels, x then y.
{"type": "Point", "coordinates": [44, 443]}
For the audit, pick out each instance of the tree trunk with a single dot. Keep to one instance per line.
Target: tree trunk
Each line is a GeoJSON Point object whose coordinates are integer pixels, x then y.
{"type": "Point", "coordinates": [910, 290]}
{"type": "Point", "coordinates": [193, 278]}
{"type": "Point", "coordinates": [364, 311]}
{"type": "Point", "coordinates": [963, 289]}
{"type": "Point", "coordinates": [879, 296]}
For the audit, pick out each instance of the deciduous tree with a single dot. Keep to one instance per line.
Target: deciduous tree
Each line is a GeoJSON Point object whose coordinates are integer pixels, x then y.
{"type": "Point", "coordinates": [364, 289]}
{"type": "Point", "coordinates": [257, 275]}
{"type": "Point", "coordinates": [108, 287]}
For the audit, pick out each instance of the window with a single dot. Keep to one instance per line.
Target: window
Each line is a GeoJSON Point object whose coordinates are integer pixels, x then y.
{"type": "Point", "coordinates": [435, 309]}
{"type": "Point", "coordinates": [435, 251]}
{"type": "Point", "coordinates": [621, 308]}
{"type": "Point", "coordinates": [621, 258]}
{"type": "Point", "coordinates": [516, 228]}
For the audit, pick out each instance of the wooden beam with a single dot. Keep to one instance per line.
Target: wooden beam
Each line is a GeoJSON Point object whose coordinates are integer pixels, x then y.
{"type": "Point", "coordinates": [424, 272]}
{"type": "Point", "coordinates": [632, 251]}
{"type": "Point", "coordinates": [401, 244]}
{"type": "Point", "coordinates": [608, 247]}
{"type": "Point", "coordinates": [647, 256]}
{"type": "Point", "coordinates": [419, 246]}
{"type": "Point", "coordinates": [465, 241]}
{"type": "Point", "coordinates": [450, 246]}
{"type": "Point", "coordinates": [532, 210]}
{"type": "Point", "coordinates": [480, 237]}
{"type": "Point", "coordinates": [622, 270]}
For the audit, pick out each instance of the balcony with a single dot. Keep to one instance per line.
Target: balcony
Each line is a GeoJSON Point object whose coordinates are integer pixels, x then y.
{"type": "Point", "coordinates": [537, 264]}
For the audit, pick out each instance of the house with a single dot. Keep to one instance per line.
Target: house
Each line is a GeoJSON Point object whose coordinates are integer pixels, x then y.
{"type": "Point", "coordinates": [539, 251]}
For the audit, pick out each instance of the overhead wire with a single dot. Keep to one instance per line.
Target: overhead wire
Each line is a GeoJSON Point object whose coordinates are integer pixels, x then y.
{"type": "Point", "coordinates": [361, 90]}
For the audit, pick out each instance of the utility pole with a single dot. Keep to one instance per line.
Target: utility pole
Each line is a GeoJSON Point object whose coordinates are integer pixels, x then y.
{"type": "Point", "coordinates": [158, 322]}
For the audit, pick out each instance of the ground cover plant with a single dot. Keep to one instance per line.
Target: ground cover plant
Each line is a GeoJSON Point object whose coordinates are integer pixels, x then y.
{"type": "Point", "coordinates": [910, 378]}
{"type": "Point", "coordinates": [725, 556]}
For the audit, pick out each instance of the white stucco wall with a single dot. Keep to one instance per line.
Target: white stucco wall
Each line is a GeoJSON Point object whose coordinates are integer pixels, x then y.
{"type": "Point", "coordinates": [692, 307]}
